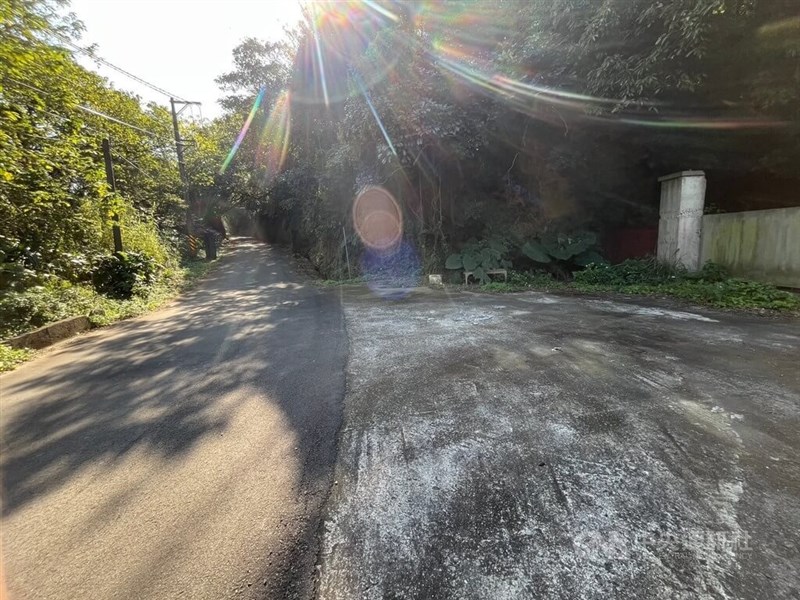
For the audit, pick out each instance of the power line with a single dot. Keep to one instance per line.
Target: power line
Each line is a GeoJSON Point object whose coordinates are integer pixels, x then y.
{"type": "Point", "coordinates": [111, 65]}
{"type": "Point", "coordinates": [93, 111]}
{"type": "Point", "coordinates": [130, 163]}
{"type": "Point", "coordinates": [115, 120]}
{"type": "Point", "coordinates": [89, 127]}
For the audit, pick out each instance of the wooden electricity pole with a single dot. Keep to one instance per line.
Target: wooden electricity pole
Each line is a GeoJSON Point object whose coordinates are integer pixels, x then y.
{"type": "Point", "coordinates": [112, 184]}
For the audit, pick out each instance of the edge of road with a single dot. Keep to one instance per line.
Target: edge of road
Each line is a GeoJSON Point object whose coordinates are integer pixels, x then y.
{"type": "Point", "coordinates": [325, 512]}
{"type": "Point", "coordinates": [65, 331]}
{"type": "Point", "coordinates": [357, 290]}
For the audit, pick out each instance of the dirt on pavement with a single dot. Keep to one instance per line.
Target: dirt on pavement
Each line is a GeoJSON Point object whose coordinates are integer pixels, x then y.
{"type": "Point", "coordinates": [535, 446]}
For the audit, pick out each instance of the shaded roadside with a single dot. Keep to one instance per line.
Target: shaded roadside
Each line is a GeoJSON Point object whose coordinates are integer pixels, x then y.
{"type": "Point", "coordinates": [185, 452]}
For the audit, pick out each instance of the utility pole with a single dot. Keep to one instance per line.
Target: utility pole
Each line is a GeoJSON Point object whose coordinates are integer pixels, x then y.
{"type": "Point", "coordinates": [179, 144]}
{"type": "Point", "coordinates": [112, 184]}
{"type": "Point", "coordinates": [346, 252]}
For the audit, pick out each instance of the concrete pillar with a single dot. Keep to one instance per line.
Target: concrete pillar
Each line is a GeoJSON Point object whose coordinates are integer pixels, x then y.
{"type": "Point", "coordinates": [681, 218]}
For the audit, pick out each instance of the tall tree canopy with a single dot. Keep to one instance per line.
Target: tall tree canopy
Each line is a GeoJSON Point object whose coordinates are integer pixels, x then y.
{"type": "Point", "coordinates": [506, 117]}
{"type": "Point", "coordinates": [483, 118]}
{"type": "Point", "coordinates": [55, 204]}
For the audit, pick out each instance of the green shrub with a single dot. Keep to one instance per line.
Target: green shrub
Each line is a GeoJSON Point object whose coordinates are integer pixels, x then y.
{"type": "Point", "coordinates": [710, 285]}
{"type": "Point", "coordinates": [11, 357]}
{"type": "Point", "coordinates": [43, 304]}
{"type": "Point", "coordinates": [123, 274]}
{"type": "Point", "coordinates": [634, 271]}
{"type": "Point", "coordinates": [22, 311]}
{"type": "Point", "coordinates": [532, 280]}
{"type": "Point", "coordinates": [338, 282]}
{"type": "Point", "coordinates": [565, 252]}
{"type": "Point", "coordinates": [647, 271]}
{"type": "Point", "coordinates": [481, 257]}
{"type": "Point", "coordinates": [735, 293]}
{"type": "Point", "coordinates": [711, 271]}
{"type": "Point", "coordinates": [141, 235]}
{"type": "Point", "coordinates": [520, 281]}
{"type": "Point", "coordinates": [501, 287]}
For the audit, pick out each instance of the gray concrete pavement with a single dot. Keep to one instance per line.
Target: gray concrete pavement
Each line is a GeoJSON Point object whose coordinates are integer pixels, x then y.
{"type": "Point", "coordinates": [534, 446]}
{"type": "Point", "coordinates": [185, 454]}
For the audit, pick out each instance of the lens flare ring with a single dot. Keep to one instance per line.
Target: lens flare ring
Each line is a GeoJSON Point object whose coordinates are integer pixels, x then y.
{"type": "Point", "coordinates": [377, 219]}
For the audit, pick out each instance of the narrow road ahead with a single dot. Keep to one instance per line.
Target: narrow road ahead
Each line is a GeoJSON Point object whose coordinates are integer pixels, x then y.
{"type": "Point", "coordinates": [184, 454]}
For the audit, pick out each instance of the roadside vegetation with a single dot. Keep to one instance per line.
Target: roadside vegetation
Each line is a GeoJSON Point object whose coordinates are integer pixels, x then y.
{"type": "Point", "coordinates": [56, 299]}
{"type": "Point", "coordinates": [340, 282]}
{"type": "Point", "coordinates": [711, 286]}
{"type": "Point", "coordinates": [538, 121]}
{"type": "Point", "coordinates": [57, 210]}
{"type": "Point", "coordinates": [11, 357]}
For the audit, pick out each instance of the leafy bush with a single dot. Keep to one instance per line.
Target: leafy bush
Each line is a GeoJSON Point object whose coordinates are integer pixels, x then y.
{"type": "Point", "coordinates": [22, 311]}
{"type": "Point", "coordinates": [735, 293]}
{"type": "Point", "coordinates": [711, 271]}
{"type": "Point", "coordinates": [42, 304]}
{"type": "Point", "coordinates": [501, 287]}
{"type": "Point", "coordinates": [566, 251]}
{"type": "Point", "coordinates": [481, 257]}
{"type": "Point", "coordinates": [15, 275]}
{"type": "Point", "coordinates": [710, 285]}
{"type": "Point", "coordinates": [532, 280]}
{"type": "Point", "coordinates": [519, 282]}
{"type": "Point", "coordinates": [141, 236]}
{"type": "Point", "coordinates": [634, 271]}
{"type": "Point", "coordinates": [647, 271]}
{"type": "Point", "coordinates": [122, 274]}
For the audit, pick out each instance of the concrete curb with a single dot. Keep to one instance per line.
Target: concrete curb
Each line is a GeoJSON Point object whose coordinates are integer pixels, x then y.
{"type": "Point", "coordinates": [50, 334]}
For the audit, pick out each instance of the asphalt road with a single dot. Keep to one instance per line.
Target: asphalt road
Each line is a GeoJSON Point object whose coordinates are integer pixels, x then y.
{"type": "Point", "coordinates": [186, 454]}
{"type": "Point", "coordinates": [535, 446]}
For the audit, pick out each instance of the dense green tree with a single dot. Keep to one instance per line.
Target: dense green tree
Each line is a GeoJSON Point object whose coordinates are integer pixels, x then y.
{"type": "Point", "coordinates": [55, 205]}
{"type": "Point", "coordinates": [483, 119]}
{"type": "Point", "coordinates": [711, 84]}
{"type": "Point", "coordinates": [257, 64]}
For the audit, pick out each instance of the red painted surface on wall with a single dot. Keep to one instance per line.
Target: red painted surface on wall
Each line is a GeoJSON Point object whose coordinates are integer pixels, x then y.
{"type": "Point", "coordinates": [630, 243]}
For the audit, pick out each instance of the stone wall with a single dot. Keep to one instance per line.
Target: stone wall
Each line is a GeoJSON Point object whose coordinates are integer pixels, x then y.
{"type": "Point", "coordinates": [50, 334]}
{"type": "Point", "coordinates": [763, 245]}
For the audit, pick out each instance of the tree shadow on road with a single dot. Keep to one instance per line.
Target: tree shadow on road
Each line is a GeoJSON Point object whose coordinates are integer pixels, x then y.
{"type": "Point", "coordinates": [157, 382]}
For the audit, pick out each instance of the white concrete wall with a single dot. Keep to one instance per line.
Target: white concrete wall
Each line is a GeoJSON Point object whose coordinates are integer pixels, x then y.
{"type": "Point", "coordinates": [680, 218]}
{"type": "Point", "coordinates": [763, 245]}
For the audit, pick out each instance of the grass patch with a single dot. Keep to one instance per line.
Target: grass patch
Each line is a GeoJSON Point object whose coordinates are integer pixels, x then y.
{"type": "Point", "coordinates": [193, 272]}
{"type": "Point", "coordinates": [735, 293]}
{"type": "Point", "coordinates": [338, 282]}
{"type": "Point", "coordinates": [11, 357]}
{"type": "Point", "coordinates": [104, 311]}
{"type": "Point", "coordinates": [711, 286]}
{"type": "Point", "coordinates": [729, 294]}
{"type": "Point", "coordinates": [521, 282]}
